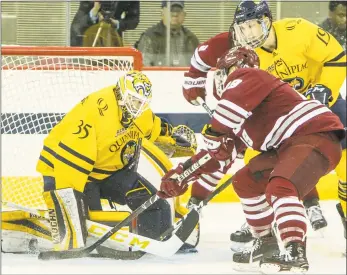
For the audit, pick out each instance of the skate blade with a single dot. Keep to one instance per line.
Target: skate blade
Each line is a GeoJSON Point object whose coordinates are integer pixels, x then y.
{"type": "Point", "coordinates": [321, 232]}
{"type": "Point", "coordinates": [269, 268]}
{"type": "Point", "coordinates": [249, 267]}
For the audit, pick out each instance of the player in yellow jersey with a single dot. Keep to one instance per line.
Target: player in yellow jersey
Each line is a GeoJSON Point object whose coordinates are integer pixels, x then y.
{"type": "Point", "coordinates": [92, 154]}
{"type": "Point", "coordinates": [307, 57]}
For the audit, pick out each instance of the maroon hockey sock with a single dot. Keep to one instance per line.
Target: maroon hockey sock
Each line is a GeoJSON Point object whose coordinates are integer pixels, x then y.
{"type": "Point", "coordinates": [289, 210]}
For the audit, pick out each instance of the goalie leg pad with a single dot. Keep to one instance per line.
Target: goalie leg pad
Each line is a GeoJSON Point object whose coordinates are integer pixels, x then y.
{"type": "Point", "coordinates": [67, 216]}
{"type": "Point", "coordinates": [24, 235]}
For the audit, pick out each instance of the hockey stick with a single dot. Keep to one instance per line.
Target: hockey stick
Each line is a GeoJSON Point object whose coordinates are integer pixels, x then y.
{"type": "Point", "coordinates": [210, 196]}
{"type": "Point", "coordinates": [197, 208]}
{"type": "Point", "coordinates": [203, 104]}
{"type": "Point", "coordinates": [144, 244]}
{"type": "Point", "coordinates": [85, 251]}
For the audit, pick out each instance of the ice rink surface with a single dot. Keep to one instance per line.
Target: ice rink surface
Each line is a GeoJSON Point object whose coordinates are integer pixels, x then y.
{"type": "Point", "coordinates": [325, 254]}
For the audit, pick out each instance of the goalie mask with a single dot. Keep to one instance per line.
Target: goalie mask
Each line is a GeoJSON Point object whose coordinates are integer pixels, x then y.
{"type": "Point", "coordinates": [238, 57]}
{"type": "Point", "coordinates": [252, 23]}
{"type": "Point", "coordinates": [134, 94]}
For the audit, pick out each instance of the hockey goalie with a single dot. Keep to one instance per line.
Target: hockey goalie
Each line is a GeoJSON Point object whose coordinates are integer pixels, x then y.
{"type": "Point", "coordinates": [93, 155]}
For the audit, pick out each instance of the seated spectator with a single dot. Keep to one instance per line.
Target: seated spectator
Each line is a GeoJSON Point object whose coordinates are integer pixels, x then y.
{"type": "Point", "coordinates": [336, 22]}
{"type": "Point", "coordinates": [96, 21]}
{"type": "Point", "coordinates": [183, 42]}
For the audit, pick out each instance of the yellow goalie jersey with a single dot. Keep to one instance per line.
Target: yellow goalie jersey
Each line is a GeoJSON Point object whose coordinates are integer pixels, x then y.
{"type": "Point", "coordinates": [305, 55]}
{"type": "Point", "coordinates": [90, 143]}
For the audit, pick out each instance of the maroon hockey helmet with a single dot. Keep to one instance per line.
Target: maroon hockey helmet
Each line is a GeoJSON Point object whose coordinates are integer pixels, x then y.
{"type": "Point", "coordinates": [240, 57]}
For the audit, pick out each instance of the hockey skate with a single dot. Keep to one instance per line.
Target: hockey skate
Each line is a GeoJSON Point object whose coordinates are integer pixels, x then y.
{"type": "Point", "coordinates": [241, 239]}
{"type": "Point", "coordinates": [292, 259]}
{"type": "Point", "coordinates": [249, 258]}
{"type": "Point", "coordinates": [315, 214]}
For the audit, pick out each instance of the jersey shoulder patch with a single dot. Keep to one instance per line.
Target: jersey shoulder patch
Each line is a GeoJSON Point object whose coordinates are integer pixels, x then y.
{"type": "Point", "coordinates": [289, 24]}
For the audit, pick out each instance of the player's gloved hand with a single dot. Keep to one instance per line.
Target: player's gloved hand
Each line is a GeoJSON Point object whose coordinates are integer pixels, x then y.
{"type": "Point", "coordinates": [219, 145]}
{"type": "Point", "coordinates": [194, 87]}
{"type": "Point", "coordinates": [170, 187]}
{"type": "Point", "coordinates": [321, 93]}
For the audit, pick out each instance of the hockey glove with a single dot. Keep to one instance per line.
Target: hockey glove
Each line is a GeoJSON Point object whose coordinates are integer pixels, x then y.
{"type": "Point", "coordinates": [170, 187]}
{"type": "Point", "coordinates": [321, 93]}
{"type": "Point", "coordinates": [181, 143]}
{"type": "Point", "coordinates": [194, 87]}
{"type": "Point", "coordinates": [220, 146]}
{"type": "Point", "coordinates": [185, 139]}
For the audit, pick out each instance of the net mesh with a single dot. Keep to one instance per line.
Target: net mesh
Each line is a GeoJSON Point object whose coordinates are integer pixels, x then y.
{"type": "Point", "coordinates": [37, 91]}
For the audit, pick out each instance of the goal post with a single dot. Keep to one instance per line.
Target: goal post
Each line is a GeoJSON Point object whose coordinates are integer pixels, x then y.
{"type": "Point", "coordinates": [39, 85]}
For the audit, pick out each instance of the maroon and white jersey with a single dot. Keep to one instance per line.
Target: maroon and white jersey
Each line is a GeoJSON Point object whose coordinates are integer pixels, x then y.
{"type": "Point", "coordinates": [206, 54]}
{"type": "Point", "coordinates": [263, 111]}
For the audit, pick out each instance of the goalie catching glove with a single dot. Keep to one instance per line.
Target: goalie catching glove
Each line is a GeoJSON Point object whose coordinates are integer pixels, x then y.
{"type": "Point", "coordinates": [179, 141]}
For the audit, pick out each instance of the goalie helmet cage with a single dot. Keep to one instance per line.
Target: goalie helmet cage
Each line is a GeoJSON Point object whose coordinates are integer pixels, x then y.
{"type": "Point", "coordinates": [39, 85]}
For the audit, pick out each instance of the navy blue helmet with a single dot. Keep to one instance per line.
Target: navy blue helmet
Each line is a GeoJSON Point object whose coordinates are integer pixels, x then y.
{"type": "Point", "coordinates": [252, 23]}
{"type": "Point", "coordinates": [248, 10]}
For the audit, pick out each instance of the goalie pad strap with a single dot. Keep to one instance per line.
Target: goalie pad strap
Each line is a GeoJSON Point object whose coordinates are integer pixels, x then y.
{"type": "Point", "coordinates": [67, 217]}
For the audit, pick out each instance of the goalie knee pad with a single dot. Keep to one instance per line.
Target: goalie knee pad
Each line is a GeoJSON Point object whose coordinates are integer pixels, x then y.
{"type": "Point", "coordinates": [67, 216]}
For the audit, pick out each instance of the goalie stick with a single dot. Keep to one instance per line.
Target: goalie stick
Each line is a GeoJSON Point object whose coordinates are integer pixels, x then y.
{"type": "Point", "coordinates": [85, 251]}
{"type": "Point", "coordinates": [144, 245]}
{"type": "Point", "coordinates": [158, 247]}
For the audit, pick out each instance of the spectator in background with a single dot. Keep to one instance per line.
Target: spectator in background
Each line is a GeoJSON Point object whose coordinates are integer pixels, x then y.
{"type": "Point", "coordinates": [183, 42]}
{"type": "Point", "coordinates": [336, 22]}
{"type": "Point", "coordinates": [114, 17]}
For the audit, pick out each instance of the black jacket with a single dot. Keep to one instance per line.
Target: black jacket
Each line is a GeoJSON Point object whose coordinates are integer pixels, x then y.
{"type": "Point", "coordinates": [152, 44]}
{"type": "Point", "coordinates": [82, 20]}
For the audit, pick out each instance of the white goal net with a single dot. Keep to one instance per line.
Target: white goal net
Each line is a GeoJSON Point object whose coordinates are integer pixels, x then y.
{"type": "Point", "coordinates": [38, 86]}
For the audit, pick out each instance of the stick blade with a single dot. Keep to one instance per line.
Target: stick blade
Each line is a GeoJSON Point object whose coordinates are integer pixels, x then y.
{"type": "Point", "coordinates": [61, 255]}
